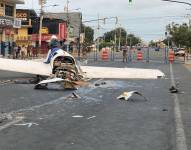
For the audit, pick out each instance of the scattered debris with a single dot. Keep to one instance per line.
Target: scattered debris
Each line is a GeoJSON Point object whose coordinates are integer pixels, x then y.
{"type": "Point", "coordinates": [27, 124]}
{"type": "Point", "coordinates": [165, 110]}
{"type": "Point", "coordinates": [103, 83]}
{"type": "Point", "coordinates": [173, 89]}
{"type": "Point", "coordinates": [127, 95]}
{"type": "Point", "coordinates": [77, 116]}
{"type": "Point", "coordinates": [91, 117]}
{"type": "Point", "coordinates": [97, 84]}
{"type": "Point", "coordinates": [74, 96]}
{"type": "Point", "coordinates": [4, 82]}
{"type": "Point", "coordinates": [6, 117]}
{"type": "Point", "coordinates": [3, 117]}
{"type": "Point", "coordinates": [159, 77]}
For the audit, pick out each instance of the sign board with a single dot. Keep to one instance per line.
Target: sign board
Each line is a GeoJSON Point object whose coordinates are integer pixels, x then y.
{"type": "Point", "coordinates": [46, 37]}
{"type": "Point", "coordinates": [23, 15]}
{"type": "Point", "coordinates": [6, 22]}
{"type": "Point", "coordinates": [62, 31]}
{"type": "Point", "coordinates": [71, 31]}
{"type": "Point", "coordinates": [17, 23]}
{"type": "Point", "coordinates": [44, 30]}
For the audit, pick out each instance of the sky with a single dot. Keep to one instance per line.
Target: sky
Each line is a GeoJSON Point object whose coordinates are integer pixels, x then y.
{"type": "Point", "coordinates": [144, 18]}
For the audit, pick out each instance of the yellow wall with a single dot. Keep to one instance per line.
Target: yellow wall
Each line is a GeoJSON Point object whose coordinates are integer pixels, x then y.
{"type": "Point", "coordinates": [23, 31]}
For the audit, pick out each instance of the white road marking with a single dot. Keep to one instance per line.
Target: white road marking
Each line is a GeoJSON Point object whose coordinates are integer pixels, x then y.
{"type": "Point", "coordinates": [32, 108]}
{"type": "Point", "coordinates": [180, 133]}
{"type": "Point", "coordinates": [17, 120]}
{"type": "Point", "coordinates": [27, 124]}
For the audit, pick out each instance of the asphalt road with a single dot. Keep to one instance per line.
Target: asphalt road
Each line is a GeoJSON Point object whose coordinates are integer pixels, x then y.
{"type": "Point", "coordinates": [49, 120]}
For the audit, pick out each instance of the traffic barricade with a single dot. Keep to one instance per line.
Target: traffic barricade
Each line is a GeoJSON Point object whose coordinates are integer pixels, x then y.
{"type": "Point", "coordinates": [139, 55]}
{"type": "Point", "coordinates": [171, 56]}
{"type": "Point", "coordinates": [105, 54]}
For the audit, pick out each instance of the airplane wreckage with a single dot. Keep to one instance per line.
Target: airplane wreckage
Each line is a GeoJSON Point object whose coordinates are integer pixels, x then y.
{"type": "Point", "coordinates": [64, 69]}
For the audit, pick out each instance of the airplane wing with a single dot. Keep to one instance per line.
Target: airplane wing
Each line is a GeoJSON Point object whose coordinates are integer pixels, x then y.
{"type": "Point", "coordinates": [39, 68]}
{"type": "Point", "coordinates": [25, 66]}
{"type": "Point", "coordinates": [121, 73]}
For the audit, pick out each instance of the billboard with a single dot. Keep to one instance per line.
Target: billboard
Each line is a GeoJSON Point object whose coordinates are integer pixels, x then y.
{"type": "Point", "coordinates": [62, 31]}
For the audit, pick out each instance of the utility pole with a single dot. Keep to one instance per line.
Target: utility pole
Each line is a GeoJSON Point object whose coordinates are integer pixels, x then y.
{"type": "Point", "coordinates": [98, 42]}
{"type": "Point", "coordinates": [126, 37]}
{"type": "Point", "coordinates": [42, 3]}
{"type": "Point", "coordinates": [67, 21]}
{"type": "Point", "coordinates": [119, 46]}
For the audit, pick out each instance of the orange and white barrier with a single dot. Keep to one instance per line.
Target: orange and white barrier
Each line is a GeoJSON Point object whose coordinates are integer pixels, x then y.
{"type": "Point", "coordinates": [139, 55]}
{"type": "Point", "coordinates": [105, 54]}
{"type": "Point", "coordinates": [171, 56]}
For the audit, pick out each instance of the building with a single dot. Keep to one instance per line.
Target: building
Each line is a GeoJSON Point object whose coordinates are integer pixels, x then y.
{"type": "Point", "coordinates": [24, 34]}
{"type": "Point", "coordinates": [8, 24]}
{"type": "Point", "coordinates": [74, 21]}
{"type": "Point", "coordinates": [74, 24]}
{"type": "Point", "coordinates": [50, 27]}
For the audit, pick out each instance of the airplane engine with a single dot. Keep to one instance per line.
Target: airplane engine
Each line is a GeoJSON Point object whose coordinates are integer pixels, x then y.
{"type": "Point", "coordinates": [64, 66]}
{"type": "Point", "coordinates": [64, 71]}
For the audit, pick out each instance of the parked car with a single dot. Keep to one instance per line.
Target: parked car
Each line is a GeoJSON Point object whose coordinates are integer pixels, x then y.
{"type": "Point", "coordinates": [179, 52]}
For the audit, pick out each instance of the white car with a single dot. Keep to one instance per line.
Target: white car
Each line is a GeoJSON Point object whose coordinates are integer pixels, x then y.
{"type": "Point", "coordinates": [180, 53]}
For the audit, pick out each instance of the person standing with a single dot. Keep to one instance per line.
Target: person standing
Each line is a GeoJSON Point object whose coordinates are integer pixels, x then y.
{"type": "Point", "coordinates": [23, 52]}
{"type": "Point", "coordinates": [15, 51]}
{"type": "Point", "coordinates": [125, 49]}
{"type": "Point", "coordinates": [29, 49]}
{"type": "Point", "coordinates": [54, 47]}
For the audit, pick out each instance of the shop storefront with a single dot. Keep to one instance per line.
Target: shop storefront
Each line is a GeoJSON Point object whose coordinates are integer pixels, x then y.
{"type": "Point", "coordinates": [6, 34]}
{"type": "Point", "coordinates": [50, 27]}
{"type": "Point", "coordinates": [8, 25]}
{"type": "Point", "coordinates": [23, 38]}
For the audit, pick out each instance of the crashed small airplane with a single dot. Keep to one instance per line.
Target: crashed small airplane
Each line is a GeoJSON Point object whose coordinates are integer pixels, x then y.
{"type": "Point", "coordinates": [64, 69]}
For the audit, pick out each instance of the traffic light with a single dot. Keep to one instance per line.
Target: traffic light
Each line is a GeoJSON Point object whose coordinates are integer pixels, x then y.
{"type": "Point", "coordinates": [130, 1]}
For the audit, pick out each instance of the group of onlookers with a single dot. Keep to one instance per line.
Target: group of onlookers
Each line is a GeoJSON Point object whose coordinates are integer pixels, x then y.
{"type": "Point", "coordinates": [22, 52]}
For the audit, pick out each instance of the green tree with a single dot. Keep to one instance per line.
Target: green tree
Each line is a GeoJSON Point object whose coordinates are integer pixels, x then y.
{"type": "Point", "coordinates": [152, 43]}
{"type": "Point", "coordinates": [133, 40]}
{"type": "Point", "coordinates": [180, 34]}
{"type": "Point", "coordinates": [89, 34]}
{"type": "Point", "coordinates": [121, 32]}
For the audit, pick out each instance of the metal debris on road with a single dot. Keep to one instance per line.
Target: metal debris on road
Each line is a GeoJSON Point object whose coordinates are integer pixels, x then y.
{"type": "Point", "coordinates": [127, 95]}
{"type": "Point", "coordinates": [97, 84]}
{"type": "Point", "coordinates": [173, 89]}
{"type": "Point", "coordinates": [4, 82]}
{"type": "Point", "coordinates": [165, 109]}
{"type": "Point", "coordinates": [74, 96]}
{"type": "Point", "coordinates": [77, 116]}
{"type": "Point", "coordinates": [3, 117]}
{"type": "Point", "coordinates": [91, 117]}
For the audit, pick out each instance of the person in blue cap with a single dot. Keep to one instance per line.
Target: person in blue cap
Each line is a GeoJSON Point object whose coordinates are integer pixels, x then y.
{"type": "Point", "coordinates": [54, 47]}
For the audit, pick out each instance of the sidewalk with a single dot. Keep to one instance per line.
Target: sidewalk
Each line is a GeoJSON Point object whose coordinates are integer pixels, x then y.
{"type": "Point", "coordinates": [188, 59]}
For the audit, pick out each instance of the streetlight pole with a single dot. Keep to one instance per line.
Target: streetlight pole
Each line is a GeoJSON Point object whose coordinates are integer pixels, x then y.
{"type": "Point", "coordinates": [67, 20]}
{"type": "Point", "coordinates": [42, 3]}
{"type": "Point", "coordinates": [173, 1]}
{"type": "Point", "coordinates": [119, 46]}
